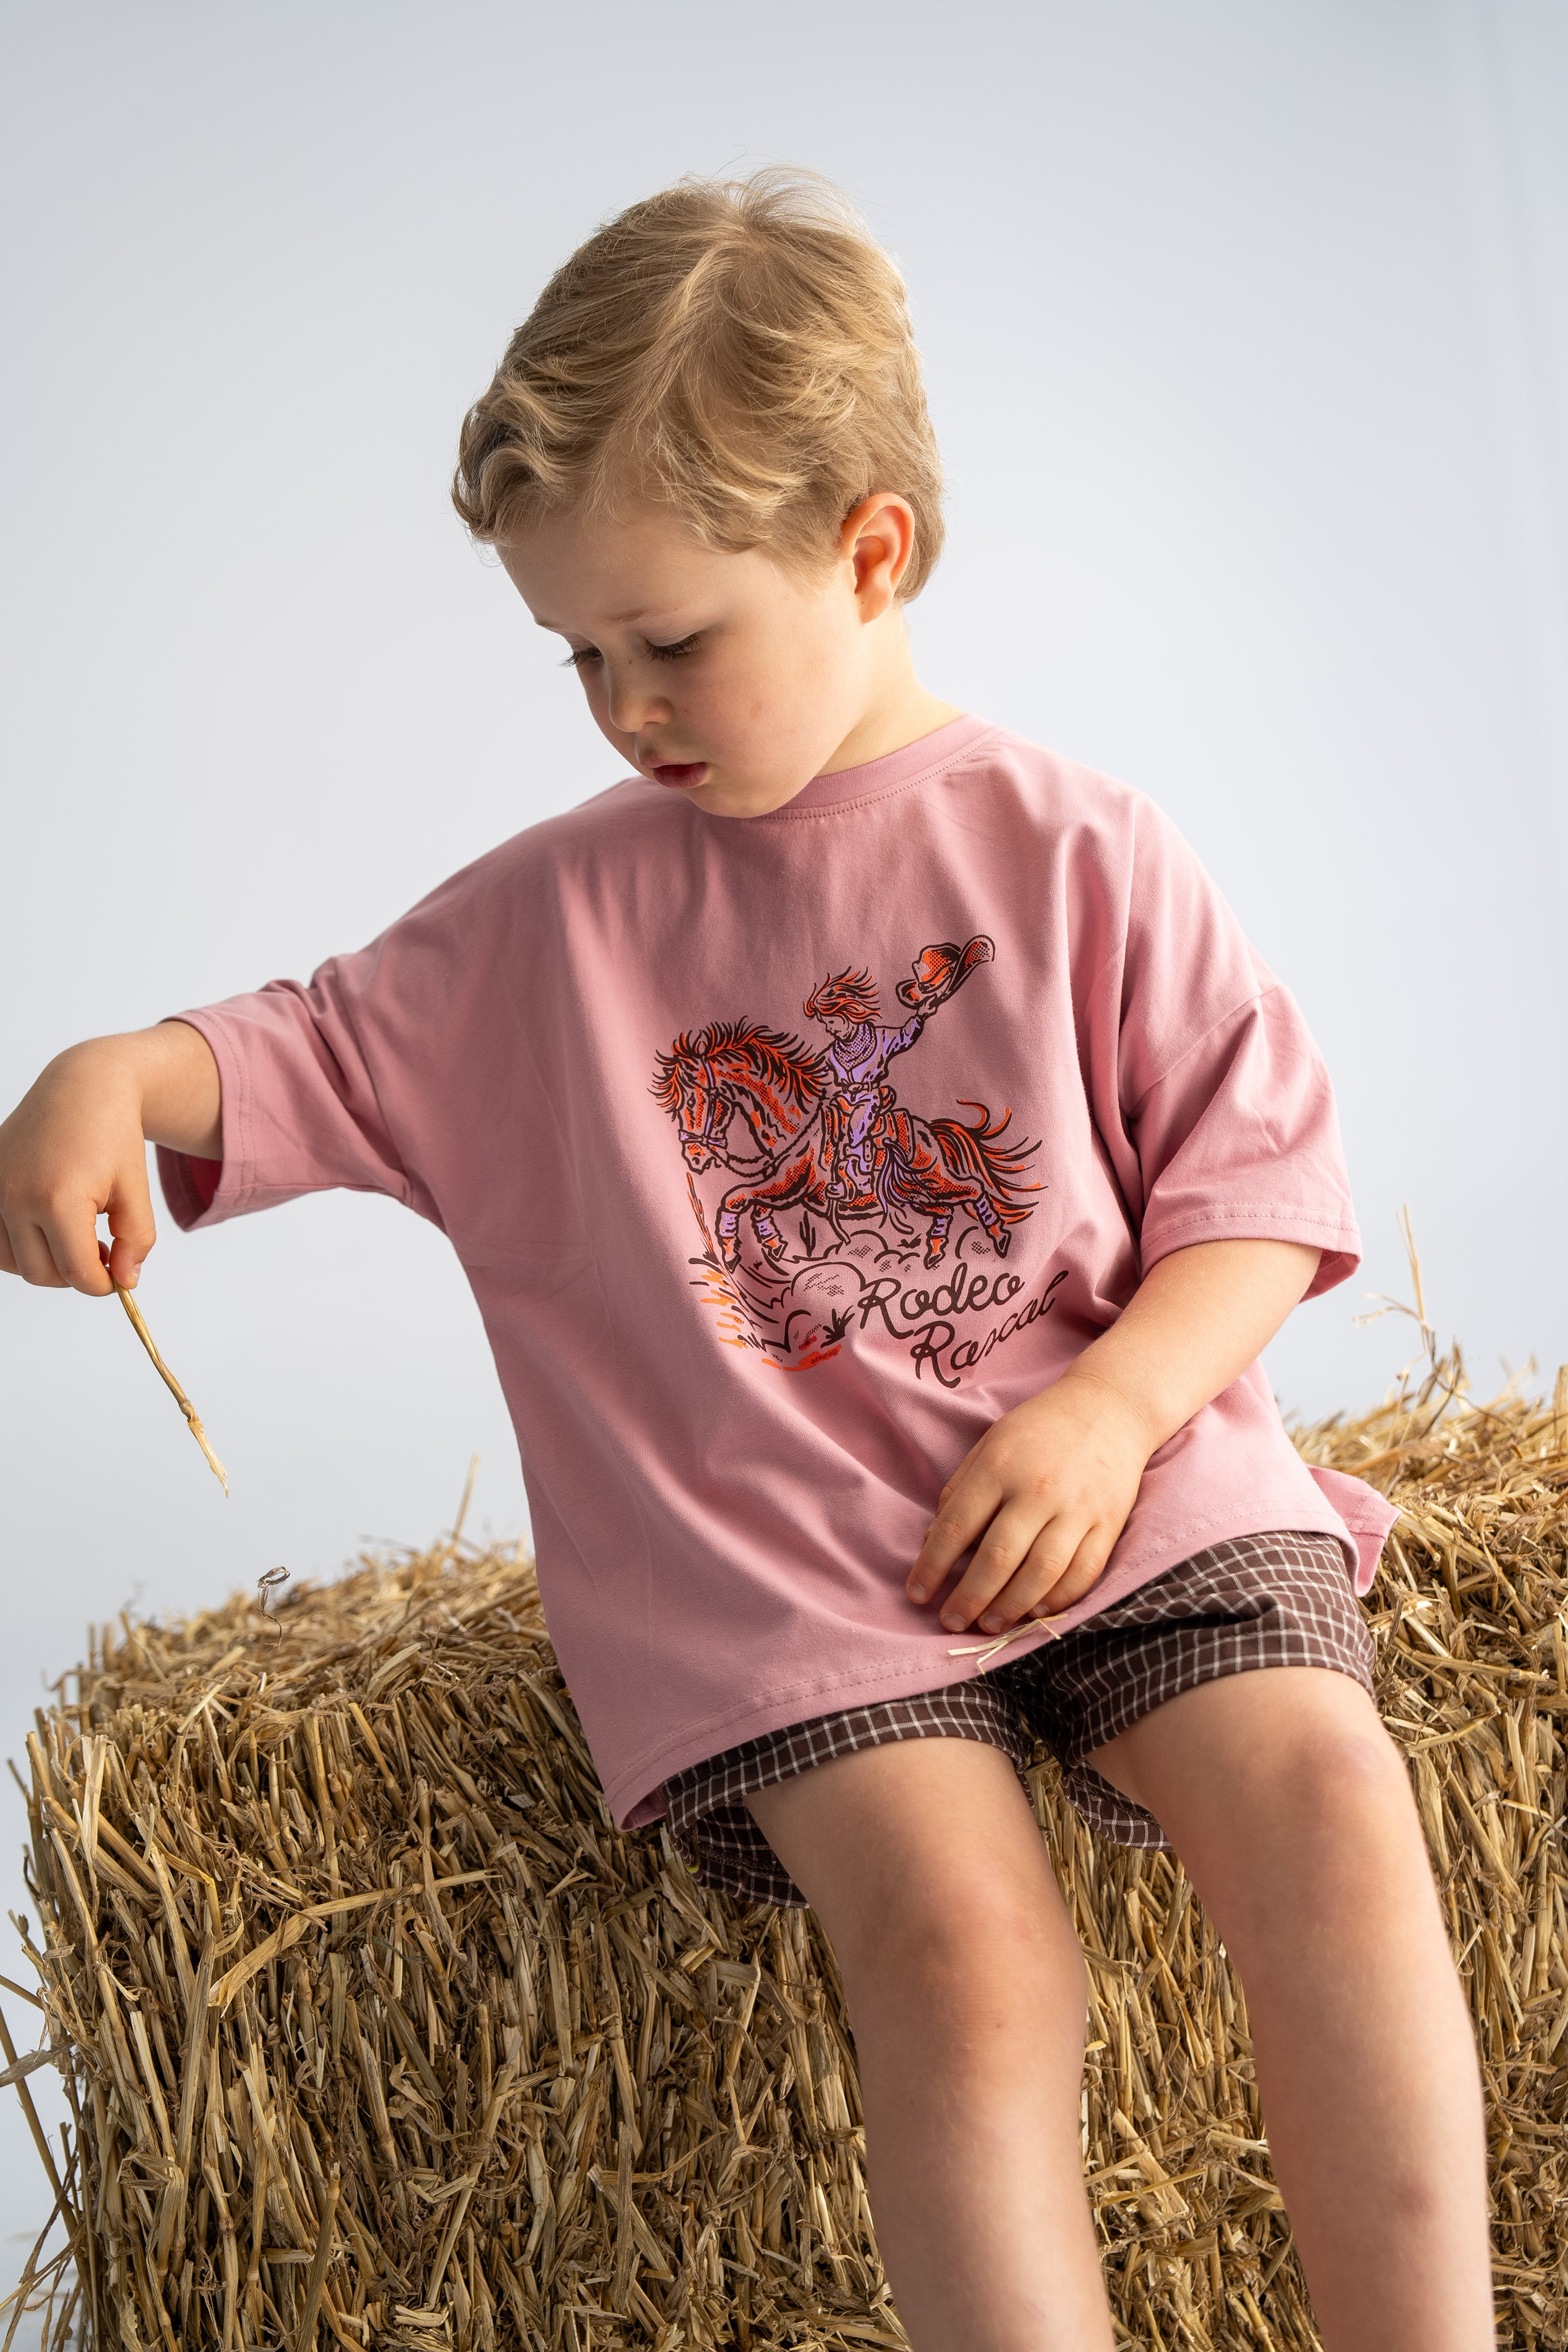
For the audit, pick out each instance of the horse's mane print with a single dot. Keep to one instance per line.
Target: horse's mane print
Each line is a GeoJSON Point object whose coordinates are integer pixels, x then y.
{"type": "Point", "coordinates": [782, 1065]}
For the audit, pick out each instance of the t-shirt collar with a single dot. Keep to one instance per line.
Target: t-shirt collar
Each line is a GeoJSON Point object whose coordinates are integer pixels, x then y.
{"type": "Point", "coordinates": [874, 778]}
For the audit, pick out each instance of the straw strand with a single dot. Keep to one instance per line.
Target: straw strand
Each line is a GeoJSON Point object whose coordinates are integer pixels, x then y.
{"type": "Point", "coordinates": [171, 1384]}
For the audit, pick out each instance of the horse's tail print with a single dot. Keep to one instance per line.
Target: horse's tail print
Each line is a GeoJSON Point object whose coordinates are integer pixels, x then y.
{"type": "Point", "coordinates": [973, 1149]}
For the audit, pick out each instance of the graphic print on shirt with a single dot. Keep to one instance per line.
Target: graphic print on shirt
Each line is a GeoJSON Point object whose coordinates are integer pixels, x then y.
{"type": "Point", "coordinates": [821, 1131]}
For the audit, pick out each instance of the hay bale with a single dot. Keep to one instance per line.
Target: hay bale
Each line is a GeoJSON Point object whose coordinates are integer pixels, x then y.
{"type": "Point", "coordinates": [371, 2022]}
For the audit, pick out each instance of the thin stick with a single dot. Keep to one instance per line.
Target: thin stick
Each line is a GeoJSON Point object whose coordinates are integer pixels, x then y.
{"type": "Point", "coordinates": [307, 2336]}
{"type": "Point", "coordinates": [467, 1498]}
{"type": "Point", "coordinates": [171, 1384]}
{"type": "Point", "coordinates": [29, 2066]}
{"type": "Point", "coordinates": [449, 1548]}
{"type": "Point", "coordinates": [34, 2126]}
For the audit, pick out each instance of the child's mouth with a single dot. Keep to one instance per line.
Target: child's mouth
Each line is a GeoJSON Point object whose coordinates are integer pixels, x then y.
{"type": "Point", "coordinates": [679, 771]}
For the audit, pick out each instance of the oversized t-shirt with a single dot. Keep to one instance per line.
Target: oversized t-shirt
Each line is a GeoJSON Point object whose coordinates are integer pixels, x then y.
{"type": "Point", "coordinates": [784, 1154]}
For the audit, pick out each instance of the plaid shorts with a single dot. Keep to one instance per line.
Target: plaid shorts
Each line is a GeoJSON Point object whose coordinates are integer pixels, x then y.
{"type": "Point", "coordinates": [1280, 1600]}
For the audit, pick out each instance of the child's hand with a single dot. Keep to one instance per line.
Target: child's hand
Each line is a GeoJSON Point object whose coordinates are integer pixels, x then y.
{"type": "Point", "coordinates": [74, 1150]}
{"type": "Point", "coordinates": [1043, 1497]}
{"type": "Point", "coordinates": [1046, 1491]}
{"type": "Point", "coordinates": [71, 1152]}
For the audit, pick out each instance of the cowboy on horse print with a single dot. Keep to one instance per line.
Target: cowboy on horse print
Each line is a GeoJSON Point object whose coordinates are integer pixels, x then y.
{"type": "Point", "coordinates": [822, 1130]}
{"type": "Point", "coordinates": [861, 1125]}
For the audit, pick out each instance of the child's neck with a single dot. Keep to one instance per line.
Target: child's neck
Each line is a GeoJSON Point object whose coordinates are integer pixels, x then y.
{"type": "Point", "coordinates": [898, 708]}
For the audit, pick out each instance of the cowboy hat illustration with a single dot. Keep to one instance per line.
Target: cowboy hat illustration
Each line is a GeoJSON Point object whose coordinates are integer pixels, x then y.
{"type": "Point", "coordinates": [940, 970]}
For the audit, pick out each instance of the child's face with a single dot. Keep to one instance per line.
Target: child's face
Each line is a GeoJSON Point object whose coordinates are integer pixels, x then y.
{"type": "Point", "coordinates": [722, 677]}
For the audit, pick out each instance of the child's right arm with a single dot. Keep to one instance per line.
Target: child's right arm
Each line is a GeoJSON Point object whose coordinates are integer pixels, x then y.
{"type": "Point", "coordinates": [75, 1148]}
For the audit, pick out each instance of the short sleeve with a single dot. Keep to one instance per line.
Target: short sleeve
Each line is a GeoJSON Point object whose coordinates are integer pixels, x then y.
{"type": "Point", "coordinates": [301, 1110]}
{"type": "Point", "coordinates": [1223, 1125]}
{"type": "Point", "coordinates": [366, 1078]}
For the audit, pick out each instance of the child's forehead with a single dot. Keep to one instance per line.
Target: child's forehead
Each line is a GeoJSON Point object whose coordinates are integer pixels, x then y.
{"type": "Point", "coordinates": [611, 570]}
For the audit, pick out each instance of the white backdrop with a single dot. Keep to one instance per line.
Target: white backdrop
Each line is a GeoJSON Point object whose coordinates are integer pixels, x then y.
{"type": "Point", "coordinates": [1244, 332]}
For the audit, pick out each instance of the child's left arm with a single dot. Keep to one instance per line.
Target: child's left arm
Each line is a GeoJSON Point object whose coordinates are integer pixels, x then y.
{"type": "Point", "coordinates": [1045, 1494]}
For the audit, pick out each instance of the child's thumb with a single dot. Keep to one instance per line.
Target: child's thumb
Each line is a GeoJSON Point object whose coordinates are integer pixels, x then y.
{"type": "Point", "coordinates": [129, 1213]}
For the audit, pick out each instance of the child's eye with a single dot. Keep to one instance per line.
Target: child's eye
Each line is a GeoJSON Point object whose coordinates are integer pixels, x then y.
{"type": "Point", "coordinates": [674, 652]}
{"type": "Point", "coordinates": [581, 660]}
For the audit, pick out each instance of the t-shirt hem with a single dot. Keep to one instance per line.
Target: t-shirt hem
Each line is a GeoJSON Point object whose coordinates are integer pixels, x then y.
{"type": "Point", "coordinates": [869, 1688]}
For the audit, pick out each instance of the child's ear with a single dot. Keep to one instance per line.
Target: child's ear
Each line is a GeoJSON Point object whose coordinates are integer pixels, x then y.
{"type": "Point", "coordinates": [878, 538]}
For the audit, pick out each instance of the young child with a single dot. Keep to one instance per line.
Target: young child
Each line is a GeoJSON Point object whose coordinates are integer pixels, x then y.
{"type": "Point", "coordinates": [879, 1159]}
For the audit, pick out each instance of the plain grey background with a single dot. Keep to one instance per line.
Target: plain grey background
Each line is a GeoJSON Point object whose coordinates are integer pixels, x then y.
{"type": "Point", "coordinates": [1246, 343]}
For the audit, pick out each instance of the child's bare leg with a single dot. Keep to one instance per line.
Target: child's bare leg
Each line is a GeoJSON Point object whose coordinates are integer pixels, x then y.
{"type": "Point", "coordinates": [1290, 1806]}
{"type": "Point", "coordinates": [966, 1993]}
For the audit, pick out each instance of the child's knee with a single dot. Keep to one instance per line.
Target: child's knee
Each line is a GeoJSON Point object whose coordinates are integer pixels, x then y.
{"type": "Point", "coordinates": [1291, 1744]}
{"type": "Point", "coordinates": [1327, 1828]}
{"type": "Point", "coordinates": [965, 1943]}
{"type": "Point", "coordinates": [1332, 1770]}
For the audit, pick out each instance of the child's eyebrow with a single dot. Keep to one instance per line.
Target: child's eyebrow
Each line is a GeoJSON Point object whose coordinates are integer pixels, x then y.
{"type": "Point", "coordinates": [616, 621]}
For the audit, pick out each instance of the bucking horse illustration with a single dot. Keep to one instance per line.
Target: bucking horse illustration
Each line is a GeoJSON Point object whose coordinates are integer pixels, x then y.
{"type": "Point", "coordinates": [826, 1128]}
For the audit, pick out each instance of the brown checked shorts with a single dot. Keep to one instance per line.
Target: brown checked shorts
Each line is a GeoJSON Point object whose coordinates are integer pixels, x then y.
{"type": "Point", "coordinates": [1280, 1600]}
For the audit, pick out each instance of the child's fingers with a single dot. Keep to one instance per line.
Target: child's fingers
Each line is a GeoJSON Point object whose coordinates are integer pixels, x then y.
{"type": "Point", "coordinates": [1051, 1576]}
{"type": "Point", "coordinates": [30, 1255]}
{"type": "Point", "coordinates": [131, 1223]}
{"type": "Point", "coordinates": [1012, 1537]}
{"type": "Point", "coordinates": [952, 1485]}
{"type": "Point", "coordinates": [1082, 1572]}
{"type": "Point", "coordinates": [70, 1230]}
{"type": "Point", "coordinates": [961, 1520]}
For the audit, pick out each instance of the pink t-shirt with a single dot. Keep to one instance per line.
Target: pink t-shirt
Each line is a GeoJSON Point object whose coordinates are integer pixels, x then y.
{"type": "Point", "coordinates": [784, 1154]}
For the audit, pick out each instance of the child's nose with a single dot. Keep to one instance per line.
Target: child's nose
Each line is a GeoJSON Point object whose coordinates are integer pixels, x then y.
{"type": "Point", "coordinates": [633, 706]}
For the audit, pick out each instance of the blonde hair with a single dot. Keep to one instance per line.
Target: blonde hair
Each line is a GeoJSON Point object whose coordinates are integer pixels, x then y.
{"type": "Point", "coordinates": [738, 349]}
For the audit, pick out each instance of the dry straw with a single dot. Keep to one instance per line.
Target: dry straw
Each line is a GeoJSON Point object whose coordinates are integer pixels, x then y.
{"type": "Point", "coordinates": [192, 1419]}
{"type": "Point", "coordinates": [373, 2028]}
